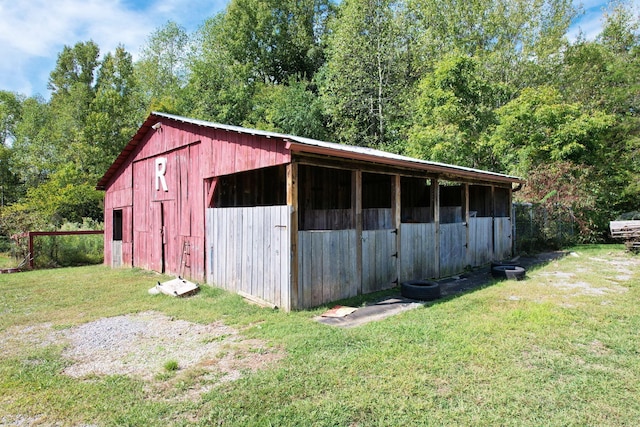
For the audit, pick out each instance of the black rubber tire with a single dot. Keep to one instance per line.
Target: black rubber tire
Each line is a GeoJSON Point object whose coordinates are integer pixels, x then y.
{"type": "Point", "coordinates": [507, 262]}
{"type": "Point", "coordinates": [512, 272]}
{"type": "Point", "coordinates": [423, 290]}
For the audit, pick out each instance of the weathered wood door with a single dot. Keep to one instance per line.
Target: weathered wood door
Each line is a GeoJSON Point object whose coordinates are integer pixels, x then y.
{"type": "Point", "coordinates": [453, 248]}
{"type": "Point", "coordinates": [163, 237]}
{"type": "Point", "coordinates": [158, 231]}
{"type": "Point", "coordinates": [418, 251]}
{"type": "Point", "coordinates": [379, 260]}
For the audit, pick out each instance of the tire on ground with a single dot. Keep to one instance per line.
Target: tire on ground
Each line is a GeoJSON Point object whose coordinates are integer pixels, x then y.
{"type": "Point", "coordinates": [513, 272]}
{"type": "Point", "coordinates": [423, 290]}
{"type": "Point", "coordinates": [506, 262]}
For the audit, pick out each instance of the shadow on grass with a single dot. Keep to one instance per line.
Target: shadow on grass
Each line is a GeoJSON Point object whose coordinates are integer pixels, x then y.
{"type": "Point", "coordinates": [379, 305]}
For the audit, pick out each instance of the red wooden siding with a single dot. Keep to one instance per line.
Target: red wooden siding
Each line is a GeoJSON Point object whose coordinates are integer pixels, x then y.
{"type": "Point", "coordinates": [172, 222]}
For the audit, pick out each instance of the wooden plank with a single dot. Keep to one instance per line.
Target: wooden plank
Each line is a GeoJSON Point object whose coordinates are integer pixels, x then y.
{"type": "Point", "coordinates": [452, 249]}
{"type": "Point", "coordinates": [248, 253]}
{"type": "Point", "coordinates": [267, 261]}
{"type": "Point", "coordinates": [418, 246]}
{"type": "Point", "coordinates": [480, 241]}
{"type": "Point", "coordinates": [356, 202]}
{"type": "Point", "coordinates": [467, 218]}
{"type": "Point", "coordinates": [435, 194]}
{"type": "Point", "coordinates": [378, 262]}
{"type": "Point", "coordinates": [368, 260]}
{"type": "Point", "coordinates": [305, 297]}
{"type": "Point", "coordinates": [328, 267]}
{"type": "Point", "coordinates": [502, 238]}
{"type": "Point", "coordinates": [292, 285]}
{"type": "Point", "coordinates": [625, 229]}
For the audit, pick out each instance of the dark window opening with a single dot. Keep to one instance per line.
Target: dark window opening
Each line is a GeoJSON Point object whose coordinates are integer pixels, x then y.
{"type": "Point", "coordinates": [324, 198]}
{"type": "Point", "coordinates": [117, 225]}
{"type": "Point", "coordinates": [415, 194]}
{"type": "Point", "coordinates": [502, 205]}
{"type": "Point", "coordinates": [480, 201]}
{"type": "Point", "coordinates": [376, 202]}
{"type": "Point", "coordinates": [451, 201]}
{"type": "Point", "coordinates": [261, 187]}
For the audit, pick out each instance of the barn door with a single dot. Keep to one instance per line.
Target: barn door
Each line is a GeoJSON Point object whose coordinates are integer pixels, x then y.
{"type": "Point", "coordinates": [379, 247]}
{"type": "Point", "coordinates": [379, 260]}
{"type": "Point", "coordinates": [158, 236]}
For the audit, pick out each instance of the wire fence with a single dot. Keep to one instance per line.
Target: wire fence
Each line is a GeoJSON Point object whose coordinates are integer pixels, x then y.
{"type": "Point", "coordinates": [538, 228]}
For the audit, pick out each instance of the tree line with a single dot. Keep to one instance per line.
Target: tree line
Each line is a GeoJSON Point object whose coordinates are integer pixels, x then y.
{"type": "Point", "coordinates": [491, 84]}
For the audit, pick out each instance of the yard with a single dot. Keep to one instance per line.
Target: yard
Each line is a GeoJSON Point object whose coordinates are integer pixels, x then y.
{"type": "Point", "coordinates": [88, 346]}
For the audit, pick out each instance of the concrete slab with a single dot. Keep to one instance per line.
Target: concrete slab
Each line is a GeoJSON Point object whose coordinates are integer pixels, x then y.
{"type": "Point", "coordinates": [376, 311]}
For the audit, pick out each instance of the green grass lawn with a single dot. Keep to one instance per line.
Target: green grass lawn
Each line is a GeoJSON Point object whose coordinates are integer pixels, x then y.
{"type": "Point", "coordinates": [560, 348]}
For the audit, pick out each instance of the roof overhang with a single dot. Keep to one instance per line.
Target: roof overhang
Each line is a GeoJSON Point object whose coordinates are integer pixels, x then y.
{"type": "Point", "coordinates": [389, 159]}
{"type": "Point", "coordinates": [311, 146]}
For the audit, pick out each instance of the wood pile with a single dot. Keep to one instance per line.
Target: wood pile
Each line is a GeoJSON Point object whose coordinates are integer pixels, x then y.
{"type": "Point", "coordinates": [629, 231]}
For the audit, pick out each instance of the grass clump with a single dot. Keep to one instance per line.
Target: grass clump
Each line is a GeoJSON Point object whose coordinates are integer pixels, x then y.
{"type": "Point", "coordinates": [171, 365]}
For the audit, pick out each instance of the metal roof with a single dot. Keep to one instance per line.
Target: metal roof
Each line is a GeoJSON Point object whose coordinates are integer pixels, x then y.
{"type": "Point", "coordinates": [308, 145]}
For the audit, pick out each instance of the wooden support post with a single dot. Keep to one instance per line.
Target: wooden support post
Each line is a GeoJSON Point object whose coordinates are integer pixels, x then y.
{"type": "Point", "coordinates": [435, 192]}
{"type": "Point", "coordinates": [213, 183]}
{"type": "Point", "coordinates": [292, 202]}
{"type": "Point", "coordinates": [396, 217]}
{"type": "Point", "coordinates": [356, 203]}
{"type": "Point", "coordinates": [493, 222]}
{"type": "Point", "coordinates": [467, 218]}
{"type": "Point", "coordinates": [513, 221]}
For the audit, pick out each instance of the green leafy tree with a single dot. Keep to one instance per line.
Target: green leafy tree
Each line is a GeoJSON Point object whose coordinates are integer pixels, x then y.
{"type": "Point", "coordinates": [35, 154]}
{"type": "Point", "coordinates": [10, 111]}
{"type": "Point", "coordinates": [539, 127]}
{"type": "Point", "coordinates": [515, 40]}
{"type": "Point", "coordinates": [279, 39]}
{"type": "Point", "coordinates": [115, 112]}
{"type": "Point", "coordinates": [10, 115]}
{"type": "Point", "coordinates": [292, 109]}
{"type": "Point", "coordinates": [603, 76]}
{"type": "Point", "coordinates": [453, 109]}
{"type": "Point", "coordinates": [560, 149]}
{"type": "Point", "coordinates": [61, 147]}
{"type": "Point", "coordinates": [368, 73]}
{"type": "Point", "coordinates": [162, 70]}
{"type": "Point", "coordinates": [219, 88]}
{"type": "Point", "coordinates": [251, 44]}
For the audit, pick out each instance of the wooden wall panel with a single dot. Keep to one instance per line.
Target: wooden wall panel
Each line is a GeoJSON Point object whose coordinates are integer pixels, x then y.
{"type": "Point", "coordinates": [418, 251]}
{"type": "Point", "coordinates": [249, 251]}
{"type": "Point", "coordinates": [502, 238]}
{"type": "Point", "coordinates": [377, 219]}
{"type": "Point", "coordinates": [326, 266]}
{"type": "Point", "coordinates": [480, 241]}
{"type": "Point", "coordinates": [453, 251]}
{"type": "Point", "coordinates": [170, 222]}
{"type": "Point", "coordinates": [231, 152]}
{"type": "Point", "coordinates": [379, 260]}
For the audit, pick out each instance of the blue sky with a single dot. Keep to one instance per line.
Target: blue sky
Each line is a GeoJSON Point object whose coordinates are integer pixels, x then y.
{"type": "Point", "coordinates": [33, 32]}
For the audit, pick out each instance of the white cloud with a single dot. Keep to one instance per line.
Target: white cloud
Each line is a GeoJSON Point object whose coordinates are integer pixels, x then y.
{"type": "Point", "coordinates": [33, 32]}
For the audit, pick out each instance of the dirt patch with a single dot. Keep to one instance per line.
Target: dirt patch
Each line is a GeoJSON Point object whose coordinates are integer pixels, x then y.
{"type": "Point", "coordinates": [567, 281]}
{"type": "Point", "coordinates": [140, 345]}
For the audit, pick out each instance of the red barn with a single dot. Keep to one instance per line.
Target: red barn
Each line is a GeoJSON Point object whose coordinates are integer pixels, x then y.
{"type": "Point", "coordinates": [293, 221]}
